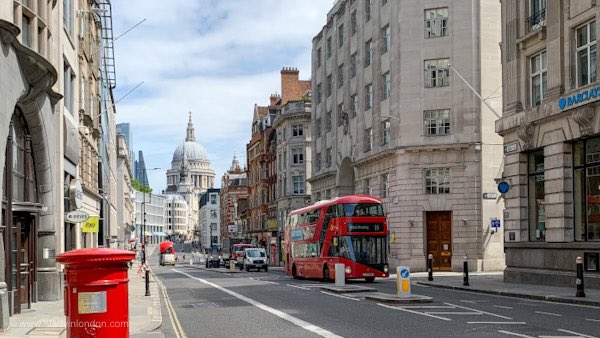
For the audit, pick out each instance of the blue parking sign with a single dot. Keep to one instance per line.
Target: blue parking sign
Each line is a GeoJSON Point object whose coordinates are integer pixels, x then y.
{"type": "Point", "coordinates": [495, 223]}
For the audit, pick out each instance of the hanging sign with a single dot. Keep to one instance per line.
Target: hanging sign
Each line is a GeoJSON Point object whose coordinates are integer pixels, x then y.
{"type": "Point", "coordinates": [77, 216]}
{"type": "Point", "coordinates": [76, 193]}
{"type": "Point", "coordinates": [91, 224]}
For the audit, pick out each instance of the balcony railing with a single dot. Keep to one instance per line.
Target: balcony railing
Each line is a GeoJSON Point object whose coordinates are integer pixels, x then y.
{"type": "Point", "coordinates": [537, 20]}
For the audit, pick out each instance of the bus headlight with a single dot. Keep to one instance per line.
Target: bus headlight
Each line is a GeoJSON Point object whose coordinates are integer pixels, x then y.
{"type": "Point", "coordinates": [385, 269]}
{"type": "Point", "coordinates": [347, 270]}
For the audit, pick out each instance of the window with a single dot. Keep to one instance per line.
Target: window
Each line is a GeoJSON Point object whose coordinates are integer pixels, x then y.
{"type": "Point", "coordinates": [297, 130]}
{"type": "Point", "coordinates": [340, 36]}
{"type": "Point", "coordinates": [340, 76]}
{"type": "Point", "coordinates": [383, 2]}
{"type": "Point", "coordinates": [387, 39]}
{"type": "Point", "coordinates": [68, 15]}
{"type": "Point", "coordinates": [340, 112]}
{"type": "Point", "coordinates": [318, 131]}
{"type": "Point", "coordinates": [385, 132]}
{"type": "Point", "coordinates": [319, 93]}
{"type": "Point", "coordinates": [587, 190]}
{"type": "Point", "coordinates": [538, 78]}
{"type": "Point", "coordinates": [69, 85]}
{"type": "Point", "coordinates": [319, 57]}
{"type": "Point", "coordinates": [328, 47]}
{"type": "Point", "coordinates": [25, 32]}
{"type": "Point", "coordinates": [354, 109]}
{"type": "Point", "coordinates": [213, 214]}
{"type": "Point", "coordinates": [367, 10]}
{"type": "Point", "coordinates": [368, 52]}
{"type": "Point", "coordinates": [437, 122]}
{"type": "Point", "coordinates": [437, 181]}
{"type": "Point", "coordinates": [585, 62]}
{"type": "Point", "coordinates": [367, 186]}
{"type": "Point", "coordinates": [213, 199]}
{"type": "Point", "coordinates": [328, 157]}
{"type": "Point", "coordinates": [368, 139]}
{"type": "Point", "coordinates": [536, 195]}
{"type": "Point", "coordinates": [328, 86]}
{"type": "Point", "coordinates": [369, 96]}
{"type": "Point", "coordinates": [298, 184]}
{"type": "Point", "coordinates": [537, 14]}
{"type": "Point", "coordinates": [385, 185]}
{"type": "Point", "coordinates": [387, 86]}
{"type": "Point", "coordinates": [328, 121]}
{"type": "Point", "coordinates": [437, 73]}
{"type": "Point", "coordinates": [436, 22]}
{"type": "Point", "coordinates": [353, 65]}
{"type": "Point", "coordinates": [318, 161]}
{"type": "Point", "coordinates": [353, 25]}
{"type": "Point", "coordinates": [297, 155]}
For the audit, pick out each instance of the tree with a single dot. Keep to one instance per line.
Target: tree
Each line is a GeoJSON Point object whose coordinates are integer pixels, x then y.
{"type": "Point", "coordinates": [140, 187]}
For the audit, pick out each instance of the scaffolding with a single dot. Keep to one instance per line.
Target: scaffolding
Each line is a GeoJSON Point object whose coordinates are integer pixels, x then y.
{"type": "Point", "coordinates": [108, 52]}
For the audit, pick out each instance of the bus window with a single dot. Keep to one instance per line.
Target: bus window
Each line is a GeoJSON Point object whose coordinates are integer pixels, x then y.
{"type": "Point", "coordinates": [363, 209]}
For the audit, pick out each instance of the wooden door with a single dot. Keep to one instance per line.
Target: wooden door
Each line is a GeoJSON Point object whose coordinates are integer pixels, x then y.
{"type": "Point", "coordinates": [23, 254]}
{"type": "Point", "coordinates": [439, 239]}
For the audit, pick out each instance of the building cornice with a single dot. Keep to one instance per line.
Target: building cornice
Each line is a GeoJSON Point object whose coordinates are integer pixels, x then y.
{"type": "Point", "coordinates": [321, 176]}
{"type": "Point", "coordinates": [374, 157]}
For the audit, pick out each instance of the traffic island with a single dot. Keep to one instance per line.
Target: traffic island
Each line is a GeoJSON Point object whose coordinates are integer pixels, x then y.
{"type": "Point", "coordinates": [395, 299]}
{"type": "Point", "coordinates": [347, 288]}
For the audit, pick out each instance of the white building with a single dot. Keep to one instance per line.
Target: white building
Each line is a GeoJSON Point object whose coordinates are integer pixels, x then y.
{"type": "Point", "coordinates": [154, 208]}
{"type": "Point", "coordinates": [209, 220]}
{"type": "Point", "coordinates": [177, 215]}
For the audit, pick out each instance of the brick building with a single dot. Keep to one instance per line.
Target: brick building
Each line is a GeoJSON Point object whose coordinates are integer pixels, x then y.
{"type": "Point", "coordinates": [234, 186]}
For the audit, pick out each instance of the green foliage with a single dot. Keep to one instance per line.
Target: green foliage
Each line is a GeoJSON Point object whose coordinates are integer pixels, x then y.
{"type": "Point", "coordinates": [140, 187]}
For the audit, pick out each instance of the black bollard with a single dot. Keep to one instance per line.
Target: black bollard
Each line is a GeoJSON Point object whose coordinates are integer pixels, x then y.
{"type": "Point", "coordinates": [579, 280]}
{"type": "Point", "coordinates": [466, 272]}
{"type": "Point", "coordinates": [430, 267]}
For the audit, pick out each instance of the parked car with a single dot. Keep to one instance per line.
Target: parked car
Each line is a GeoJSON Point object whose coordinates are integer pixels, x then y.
{"type": "Point", "coordinates": [255, 258]}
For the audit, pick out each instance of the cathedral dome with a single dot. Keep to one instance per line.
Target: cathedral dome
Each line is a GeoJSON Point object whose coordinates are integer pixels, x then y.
{"type": "Point", "coordinates": [193, 152]}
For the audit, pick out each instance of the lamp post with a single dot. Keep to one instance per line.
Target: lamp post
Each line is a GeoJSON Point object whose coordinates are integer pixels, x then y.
{"type": "Point", "coordinates": [143, 230]}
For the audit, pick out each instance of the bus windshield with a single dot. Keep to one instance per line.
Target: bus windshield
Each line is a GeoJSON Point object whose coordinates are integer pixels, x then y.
{"type": "Point", "coordinates": [255, 253]}
{"type": "Point", "coordinates": [362, 209]}
{"type": "Point", "coordinates": [366, 250]}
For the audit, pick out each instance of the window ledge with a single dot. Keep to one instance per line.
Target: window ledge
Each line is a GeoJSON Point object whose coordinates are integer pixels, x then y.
{"type": "Point", "coordinates": [539, 34]}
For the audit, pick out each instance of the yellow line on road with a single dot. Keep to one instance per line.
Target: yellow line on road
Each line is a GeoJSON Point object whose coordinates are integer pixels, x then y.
{"type": "Point", "coordinates": [172, 314]}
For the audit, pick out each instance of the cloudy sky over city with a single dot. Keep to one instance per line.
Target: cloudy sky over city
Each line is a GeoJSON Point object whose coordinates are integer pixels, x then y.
{"type": "Point", "coordinates": [215, 58]}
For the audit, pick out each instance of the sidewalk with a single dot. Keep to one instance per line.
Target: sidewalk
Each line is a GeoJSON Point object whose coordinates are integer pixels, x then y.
{"type": "Point", "coordinates": [494, 284]}
{"type": "Point", "coordinates": [46, 319]}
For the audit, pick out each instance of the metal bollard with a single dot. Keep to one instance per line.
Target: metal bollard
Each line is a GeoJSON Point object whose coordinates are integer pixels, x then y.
{"type": "Point", "coordinates": [466, 272]}
{"type": "Point", "coordinates": [579, 280]}
{"type": "Point", "coordinates": [340, 275]}
{"type": "Point", "coordinates": [430, 267]}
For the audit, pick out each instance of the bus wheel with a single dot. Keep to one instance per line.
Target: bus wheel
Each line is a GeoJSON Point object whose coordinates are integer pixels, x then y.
{"type": "Point", "coordinates": [326, 274]}
{"type": "Point", "coordinates": [370, 279]}
{"type": "Point", "coordinates": [294, 273]}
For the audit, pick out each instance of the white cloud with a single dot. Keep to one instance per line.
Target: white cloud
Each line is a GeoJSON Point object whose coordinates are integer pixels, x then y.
{"type": "Point", "coordinates": [216, 58]}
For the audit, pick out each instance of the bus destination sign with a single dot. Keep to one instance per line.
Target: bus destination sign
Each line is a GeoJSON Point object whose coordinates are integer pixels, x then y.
{"type": "Point", "coordinates": [365, 227]}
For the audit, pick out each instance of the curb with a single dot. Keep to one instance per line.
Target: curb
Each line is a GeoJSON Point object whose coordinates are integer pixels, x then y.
{"type": "Point", "coordinates": [154, 311]}
{"type": "Point", "coordinates": [548, 298]}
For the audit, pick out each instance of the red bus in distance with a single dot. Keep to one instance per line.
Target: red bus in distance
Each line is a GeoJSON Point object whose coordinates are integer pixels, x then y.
{"type": "Point", "coordinates": [351, 230]}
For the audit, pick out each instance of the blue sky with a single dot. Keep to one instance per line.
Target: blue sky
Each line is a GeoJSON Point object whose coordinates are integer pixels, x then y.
{"type": "Point", "coordinates": [215, 58]}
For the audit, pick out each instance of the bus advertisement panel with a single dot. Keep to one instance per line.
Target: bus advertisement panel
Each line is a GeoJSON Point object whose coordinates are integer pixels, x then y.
{"type": "Point", "coordinates": [351, 230]}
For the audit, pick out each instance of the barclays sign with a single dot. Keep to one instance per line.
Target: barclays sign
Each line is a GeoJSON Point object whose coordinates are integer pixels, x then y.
{"type": "Point", "coordinates": [568, 102]}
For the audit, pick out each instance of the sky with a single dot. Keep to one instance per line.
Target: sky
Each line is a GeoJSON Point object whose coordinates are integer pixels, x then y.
{"type": "Point", "coordinates": [215, 58]}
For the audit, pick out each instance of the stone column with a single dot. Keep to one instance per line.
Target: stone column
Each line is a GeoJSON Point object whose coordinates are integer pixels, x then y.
{"type": "Point", "coordinates": [558, 186]}
{"type": "Point", "coordinates": [515, 171]}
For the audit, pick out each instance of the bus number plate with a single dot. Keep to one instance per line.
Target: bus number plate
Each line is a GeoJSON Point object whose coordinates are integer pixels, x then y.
{"type": "Point", "coordinates": [368, 274]}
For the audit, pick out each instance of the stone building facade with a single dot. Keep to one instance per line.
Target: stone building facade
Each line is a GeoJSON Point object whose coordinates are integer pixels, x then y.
{"type": "Point", "coordinates": [551, 129]}
{"type": "Point", "coordinates": [209, 220]}
{"type": "Point", "coordinates": [391, 119]}
{"type": "Point", "coordinates": [126, 194]}
{"type": "Point", "coordinates": [234, 186]}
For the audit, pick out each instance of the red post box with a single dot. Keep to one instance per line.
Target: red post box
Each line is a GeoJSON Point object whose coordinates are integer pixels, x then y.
{"type": "Point", "coordinates": [96, 293]}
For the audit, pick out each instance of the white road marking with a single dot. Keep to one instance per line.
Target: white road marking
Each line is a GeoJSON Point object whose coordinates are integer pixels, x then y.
{"type": "Point", "coordinates": [296, 321]}
{"type": "Point", "coordinates": [454, 313]}
{"type": "Point", "coordinates": [335, 295]}
{"type": "Point", "coordinates": [593, 320]}
{"type": "Point", "coordinates": [487, 313]}
{"type": "Point", "coordinates": [413, 312]}
{"type": "Point", "coordinates": [503, 307]}
{"type": "Point", "coordinates": [298, 287]}
{"type": "Point", "coordinates": [577, 333]}
{"type": "Point", "coordinates": [428, 307]}
{"type": "Point", "coordinates": [499, 323]}
{"type": "Point", "coordinates": [548, 313]}
{"type": "Point", "coordinates": [515, 334]}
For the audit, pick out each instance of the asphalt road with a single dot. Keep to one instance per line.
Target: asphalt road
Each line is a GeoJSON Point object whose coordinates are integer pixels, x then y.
{"type": "Point", "coordinates": [258, 304]}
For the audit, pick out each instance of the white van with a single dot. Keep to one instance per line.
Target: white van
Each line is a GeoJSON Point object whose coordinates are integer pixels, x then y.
{"type": "Point", "coordinates": [255, 258]}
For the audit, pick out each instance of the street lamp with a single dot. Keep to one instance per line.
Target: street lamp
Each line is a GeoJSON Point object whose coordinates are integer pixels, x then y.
{"type": "Point", "coordinates": [143, 231]}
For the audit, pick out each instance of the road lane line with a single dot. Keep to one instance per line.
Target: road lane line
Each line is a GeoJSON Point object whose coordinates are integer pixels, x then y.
{"type": "Point", "coordinates": [172, 314]}
{"type": "Point", "coordinates": [333, 294]}
{"type": "Point", "coordinates": [413, 312]}
{"type": "Point", "coordinates": [548, 313]}
{"type": "Point", "coordinates": [499, 323]}
{"type": "Point", "coordinates": [296, 321]}
{"type": "Point", "coordinates": [487, 313]}
{"type": "Point", "coordinates": [298, 287]}
{"type": "Point", "coordinates": [454, 313]}
{"type": "Point", "coordinates": [503, 307]}
{"type": "Point", "coordinates": [427, 307]}
{"type": "Point", "coordinates": [593, 320]}
{"type": "Point", "coordinates": [515, 334]}
{"type": "Point", "coordinates": [577, 333]}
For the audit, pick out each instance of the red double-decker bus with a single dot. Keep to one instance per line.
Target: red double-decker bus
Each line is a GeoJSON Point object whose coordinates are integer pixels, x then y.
{"type": "Point", "coordinates": [351, 230]}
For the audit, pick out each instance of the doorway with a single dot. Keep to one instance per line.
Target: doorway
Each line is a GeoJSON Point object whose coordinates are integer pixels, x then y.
{"type": "Point", "coordinates": [439, 239]}
{"type": "Point", "coordinates": [22, 259]}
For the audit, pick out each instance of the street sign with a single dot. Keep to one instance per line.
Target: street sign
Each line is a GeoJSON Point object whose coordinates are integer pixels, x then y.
{"type": "Point", "coordinates": [489, 195]}
{"type": "Point", "coordinates": [495, 223]}
{"type": "Point", "coordinates": [403, 281]}
{"type": "Point", "coordinates": [77, 216]}
{"type": "Point", "coordinates": [503, 187]}
{"type": "Point", "coordinates": [76, 193]}
{"type": "Point", "coordinates": [91, 224]}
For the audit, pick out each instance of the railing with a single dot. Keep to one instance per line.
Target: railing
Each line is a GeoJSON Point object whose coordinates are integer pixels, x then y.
{"type": "Point", "coordinates": [536, 20]}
